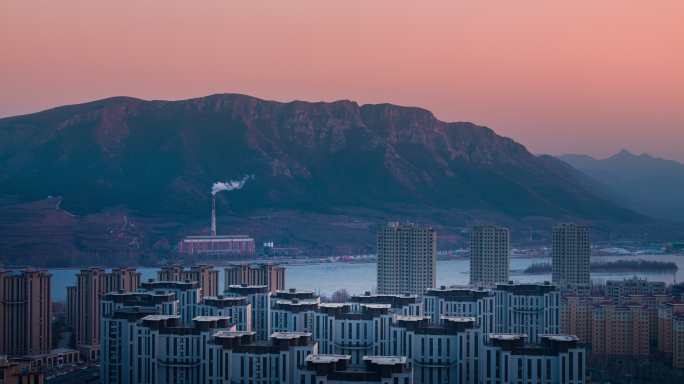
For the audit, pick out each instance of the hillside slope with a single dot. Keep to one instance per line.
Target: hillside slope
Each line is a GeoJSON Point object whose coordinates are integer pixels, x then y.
{"type": "Point", "coordinates": [647, 184]}
{"type": "Point", "coordinates": [156, 160]}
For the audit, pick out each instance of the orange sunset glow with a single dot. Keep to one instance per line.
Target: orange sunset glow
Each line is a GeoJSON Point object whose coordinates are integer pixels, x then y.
{"type": "Point", "coordinates": [575, 76]}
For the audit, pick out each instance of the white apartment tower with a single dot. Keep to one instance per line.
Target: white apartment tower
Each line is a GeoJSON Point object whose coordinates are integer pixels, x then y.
{"type": "Point", "coordinates": [571, 251]}
{"type": "Point", "coordinates": [489, 255]}
{"type": "Point", "coordinates": [407, 256]}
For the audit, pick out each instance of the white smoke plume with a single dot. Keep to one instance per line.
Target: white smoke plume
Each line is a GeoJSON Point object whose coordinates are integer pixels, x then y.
{"type": "Point", "coordinates": [231, 185]}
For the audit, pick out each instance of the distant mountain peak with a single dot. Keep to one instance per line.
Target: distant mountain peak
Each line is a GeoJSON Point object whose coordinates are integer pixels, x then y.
{"type": "Point", "coordinates": [645, 183]}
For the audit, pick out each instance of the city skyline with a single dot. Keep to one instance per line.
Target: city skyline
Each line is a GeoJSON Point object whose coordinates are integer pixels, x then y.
{"type": "Point", "coordinates": [341, 192]}
{"type": "Point", "coordinates": [548, 75]}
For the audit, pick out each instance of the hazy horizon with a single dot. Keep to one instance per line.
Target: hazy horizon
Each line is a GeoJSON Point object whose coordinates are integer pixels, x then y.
{"type": "Point", "coordinates": [583, 77]}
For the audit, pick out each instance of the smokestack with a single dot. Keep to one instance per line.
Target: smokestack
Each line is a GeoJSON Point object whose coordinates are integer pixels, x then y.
{"type": "Point", "coordinates": [213, 215]}
{"type": "Point", "coordinates": [224, 186]}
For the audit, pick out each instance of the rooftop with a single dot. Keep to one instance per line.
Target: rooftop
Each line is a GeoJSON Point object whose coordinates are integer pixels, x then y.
{"type": "Point", "coordinates": [327, 358]}
{"type": "Point", "coordinates": [385, 360]}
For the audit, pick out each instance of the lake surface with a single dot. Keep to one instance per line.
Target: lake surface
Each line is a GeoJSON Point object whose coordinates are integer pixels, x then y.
{"type": "Point", "coordinates": [326, 278]}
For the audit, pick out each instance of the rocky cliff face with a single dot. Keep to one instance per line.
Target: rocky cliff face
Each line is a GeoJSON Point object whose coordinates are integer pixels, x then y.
{"type": "Point", "coordinates": [158, 159]}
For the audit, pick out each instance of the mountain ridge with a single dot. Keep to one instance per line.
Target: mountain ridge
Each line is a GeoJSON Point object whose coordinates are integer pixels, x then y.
{"type": "Point", "coordinates": [647, 184]}
{"type": "Point", "coordinates": [156, 160]}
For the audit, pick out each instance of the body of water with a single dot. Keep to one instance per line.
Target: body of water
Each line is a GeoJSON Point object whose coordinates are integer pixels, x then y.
{"type": "Point", "coordinates": [326, 278]}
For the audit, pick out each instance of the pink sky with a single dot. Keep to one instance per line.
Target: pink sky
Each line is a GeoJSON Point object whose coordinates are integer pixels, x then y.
{"type": "Point", "coordinates": [589, 76]}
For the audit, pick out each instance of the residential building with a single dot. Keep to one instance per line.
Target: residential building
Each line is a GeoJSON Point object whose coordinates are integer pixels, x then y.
{"type": "Point", "coordinates": [188, 294]}
{"type": "Point", "coordinates": [161, 302]}
{"type": "Point", "coordinates": [620, 330]}
{"type": "Point", "coordinates": [239, 357]}
{"type": "Point", "coordinates": [406, 305]}
{"type": "Point", "coordinates": [407, 255]}
{"type": "Point", "coordinates": [337, 369]}
{"type": "Point", "coordinates": [341, 330]}
{"type": "Point", "coordinates": [293, 310]}
{"type": "Point", "coordinates": [25, 312]}
{"type": "Point", "coordinates": [577, 314]}
{"type": "Point", "coordinates": [678, 340]}
{"type": "Point", "coordinates": [18, 372]}
{"type": "Point", "coordinates": [666, 314]}
{"type": "Point", "coordinates": [259, 297]}
{"type": "Point", "coordinates": [651, 303]}
{"type": "Point", "coordinates": [529, 309]}
{"type": "Point", "coordinates": [464, 302]}
{"type": "Point", "coordinates": [71, 306]}
{"type": "Point", "coordinates": [618, 289]}
{"type": "Point", "coordinates": [121, 355]}
{"type": "Point", "coordinates": [91, 284]}
{"type": "Point", "coordinates": [151, 348]}
{"type": "Point", "coordinates": [205, 275]}
{"type": "Point", "coordinates": [270, 275]}
{"type": "Point", "coordinates": [489, 255]}
{"type": "Point", "coordinates": [237, 308]}
{"type": "Point", "coordinates": [438, 353]}
{"type": "Point", "coordinates": [571, 253]}
{"type": "Point", "coordinates": [556, 359]}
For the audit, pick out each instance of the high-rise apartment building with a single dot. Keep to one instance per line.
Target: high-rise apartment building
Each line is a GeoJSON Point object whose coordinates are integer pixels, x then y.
{"type": "Point", "coordinates": [237, 308]}
{"type": "Point", "coordinates": [375, 370]}
{"type": "Point", "coordinates": [407, 255]}
{"type": "Point", "coordinates": [489, 255]}
{"type": "Point", "coordinates": [340, 329]}
{"type": "Point", "coordinates": [91, 285]}
{"type": "Point", "coordinates": [187, 293]}
{"type": "Point", "coordinates": [508, 359]}
{"type": "Point", "coordinates": [621, 330]}
{"type": "Point", "coordinates": [620, 289]}
{"type": "Point", "coordinates": [529, 309]}
{"type": "Point", "coordinates": [571, 252]}
{"type": "Point", "coordinates": [678, 340]}
{"type": "Point", "coordinates": [650, 303]}
{"type": "Point", "coordinates": [666, 313]}
{"type": "Point", "coordinates": [205, 275]}
{"type": "Point", "coordinates": [577, 314]}
{"type": "Point", "coordinates": [293, 310]}
{"type": "Point", "coordinates": [270, 275]}
{"type": "Point", "coordinates": [406, 305]}
{"type": "Point", "coordinates": [25, 312]}
{"type": "Point", "coordinates": [71, 308]}
{"type": "Point", "coordinates": [464, 302]}
{"type": "Point", "coordinates": [259, 297]}
{"type": "Point", "coordinates": [439, 353]}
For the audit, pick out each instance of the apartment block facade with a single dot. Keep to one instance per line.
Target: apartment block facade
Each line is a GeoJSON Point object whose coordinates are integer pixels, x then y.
{"type": "Point", "coordinates": [489, 255]}
{"type": "Point", "coordinates": [407, 256]}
